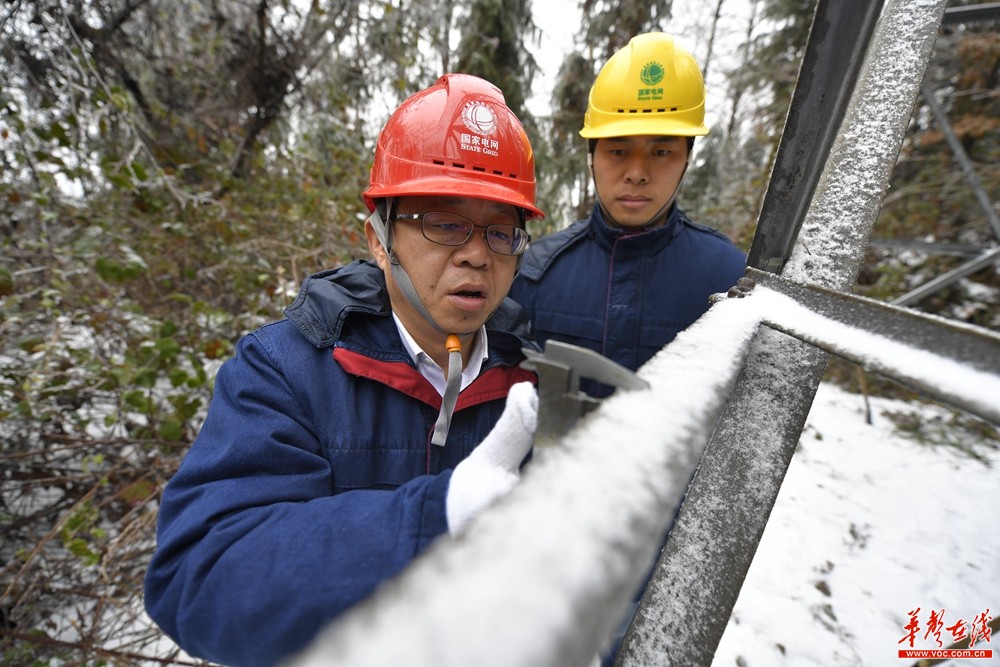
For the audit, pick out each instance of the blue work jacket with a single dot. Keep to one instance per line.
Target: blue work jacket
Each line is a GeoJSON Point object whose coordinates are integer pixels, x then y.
{"type": "Point", "coordinates": [313, 479]}
{"type": "Point", "coordinates": [624, 294]}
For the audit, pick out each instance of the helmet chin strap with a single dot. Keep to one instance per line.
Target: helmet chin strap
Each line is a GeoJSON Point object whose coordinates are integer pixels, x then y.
{"type": "Point", "coordinates": [453, 343]}
{"type": "Point", "coordinates": [398, 272]}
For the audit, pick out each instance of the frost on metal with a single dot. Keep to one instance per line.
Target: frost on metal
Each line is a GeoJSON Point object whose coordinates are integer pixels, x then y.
{"type": "Point", "coordinates": [942, 376]}
{"type": "Point", "coordinates": [699, 574]}
{"type": "Point", "coordinates": [687, 603]}
{"type": "Point", "coordinates": [543, 578]}
{"type": "Point", "coordinates": [835, 232]}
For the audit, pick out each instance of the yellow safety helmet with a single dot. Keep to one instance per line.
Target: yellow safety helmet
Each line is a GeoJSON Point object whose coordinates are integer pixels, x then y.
{"type": "Point", "coordinates": [651, 86]}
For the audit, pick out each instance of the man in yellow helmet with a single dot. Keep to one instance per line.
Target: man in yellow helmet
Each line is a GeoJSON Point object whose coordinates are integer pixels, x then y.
{"type": "Point", "coordinates": [626, 280]}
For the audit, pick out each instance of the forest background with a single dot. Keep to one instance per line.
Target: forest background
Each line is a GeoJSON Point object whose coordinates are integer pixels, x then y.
{"type": "Point", "coordinates": [172, 169]}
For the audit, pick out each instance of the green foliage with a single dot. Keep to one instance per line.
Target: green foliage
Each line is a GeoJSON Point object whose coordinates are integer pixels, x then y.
{"type": "Point", "coordinates": [25, 653]}
{"type": "Point", "coordinates": [118, 315]}
{"type": "Point", "coordinates": [725, 184]}
{"type": "Point", "coordinates": [133, 258]}
{"type": "Point", "coordinates": [778, 52]}
{"type": "Point", "coordinates": [80, 531]}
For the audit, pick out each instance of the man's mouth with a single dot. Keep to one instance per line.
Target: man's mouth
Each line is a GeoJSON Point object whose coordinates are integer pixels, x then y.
{"type": "Point", "coordinates": [633, 202]}
{"type": "Point", "coordinates": [471, 300]}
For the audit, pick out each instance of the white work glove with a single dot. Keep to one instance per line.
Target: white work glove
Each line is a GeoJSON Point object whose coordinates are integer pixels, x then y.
{"type": "Point", "coordinates": [492, 469]}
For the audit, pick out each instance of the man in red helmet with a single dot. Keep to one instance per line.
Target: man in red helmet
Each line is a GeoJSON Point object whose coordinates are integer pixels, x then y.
{"type": "Point", "coordinates": [387, 409]}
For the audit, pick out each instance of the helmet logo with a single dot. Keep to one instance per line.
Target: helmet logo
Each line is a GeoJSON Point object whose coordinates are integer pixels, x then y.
{"type": "Point", "coordinates": [479, 118]}
{"type": "Point", "coordinates": [482, 122]}
{"type": "Point", "coordinates": [652, 73]}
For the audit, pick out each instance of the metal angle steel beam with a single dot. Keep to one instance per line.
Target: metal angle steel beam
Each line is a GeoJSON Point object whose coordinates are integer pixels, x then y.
{"type": "Point", "coordinates": [967, 269]}
{"type": "Point", "coordinates": [691, 595]}
{"type": "Point", "coordinates": [987, 11]}
{"type": "Point", "coordinates": [838, 39]}
{"type": "Point", "coordinates": [951, 362]}
{"type": "Point", "coordinates": [928, 247]}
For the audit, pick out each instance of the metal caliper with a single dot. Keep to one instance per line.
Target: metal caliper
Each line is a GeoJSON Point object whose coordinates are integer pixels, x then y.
{"type": "Point", "coordinates": [561, 403]}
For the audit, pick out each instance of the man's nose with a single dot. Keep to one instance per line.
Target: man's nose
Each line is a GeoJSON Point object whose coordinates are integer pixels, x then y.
{"type": "Point", "coordinates": [636, 171]}
{"type": "Point", "coordinates": [476, 250]}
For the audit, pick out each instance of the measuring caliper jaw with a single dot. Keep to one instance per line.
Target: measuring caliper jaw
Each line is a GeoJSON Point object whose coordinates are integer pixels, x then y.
{"type": "Point", "coordinates": [560, 368]}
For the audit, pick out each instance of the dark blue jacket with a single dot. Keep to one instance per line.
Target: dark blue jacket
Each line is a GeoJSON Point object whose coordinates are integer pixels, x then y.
{"type": "Point", "coordinates": [620, 293]}
{"type": "Point", "coordinates": [313, 478]}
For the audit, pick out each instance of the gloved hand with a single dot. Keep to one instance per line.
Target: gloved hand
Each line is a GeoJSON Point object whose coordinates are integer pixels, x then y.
{"type": "Point", "coordinates": [492, 469]}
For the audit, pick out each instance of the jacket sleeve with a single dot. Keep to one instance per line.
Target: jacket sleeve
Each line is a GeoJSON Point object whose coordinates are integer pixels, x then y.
{"type": "Point", "coordinates": [255, 554]}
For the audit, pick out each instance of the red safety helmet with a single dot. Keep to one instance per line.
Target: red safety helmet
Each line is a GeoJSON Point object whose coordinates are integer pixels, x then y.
{"type": "Point", "coordinates": [456, 137]}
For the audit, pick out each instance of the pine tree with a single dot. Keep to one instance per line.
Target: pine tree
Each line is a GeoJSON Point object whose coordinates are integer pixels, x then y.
{"type": "Point", "coordinates": [494, 47]}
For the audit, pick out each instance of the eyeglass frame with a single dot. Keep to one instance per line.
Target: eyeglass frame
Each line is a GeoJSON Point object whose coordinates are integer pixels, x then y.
{"type": "Point", "coordinates": [519, 231]}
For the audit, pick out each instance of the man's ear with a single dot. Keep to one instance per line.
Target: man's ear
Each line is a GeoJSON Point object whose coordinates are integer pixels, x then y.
{"type": "Point", "coordinates": [375, 247]}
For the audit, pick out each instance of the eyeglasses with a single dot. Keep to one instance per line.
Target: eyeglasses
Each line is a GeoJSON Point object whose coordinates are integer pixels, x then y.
{"type": "Point", "coordinates": [455, 230]}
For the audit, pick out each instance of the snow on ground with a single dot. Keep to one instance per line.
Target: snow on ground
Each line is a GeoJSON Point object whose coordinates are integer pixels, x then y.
{"type": "Point", "coordinates": [869, 525]}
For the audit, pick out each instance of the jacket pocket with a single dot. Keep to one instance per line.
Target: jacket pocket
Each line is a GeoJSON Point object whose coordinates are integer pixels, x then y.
{"type": "Point", "coordinates": [378, 467]}
{"type": "Point", "coordinates": [569, 328]}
